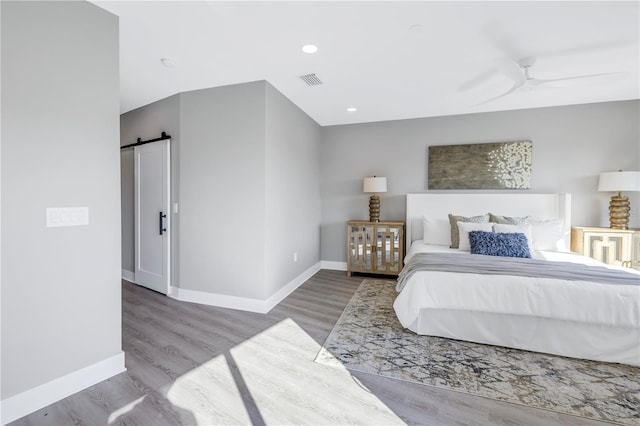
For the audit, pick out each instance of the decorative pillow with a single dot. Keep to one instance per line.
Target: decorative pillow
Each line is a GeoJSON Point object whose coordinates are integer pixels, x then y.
{"type": "Point", "coordinates": [499, 244]}
{"type": "Point", "coordinates": [508, 220]}
{"type": "Point", "coordinates": [548, 235]}
{"type": "Point", "coordinates": [465, 227]}
{"type": "Point", "coordinates": [436, 231]}
{"type": "Point", "coordinates": [453, 221]}
{"type": "Point", "coordinates": [523, 229]}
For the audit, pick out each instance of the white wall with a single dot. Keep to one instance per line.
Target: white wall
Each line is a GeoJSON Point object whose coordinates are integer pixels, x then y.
{"type": "Point", "coordinates": [292, 190]}
{"type": "Point", "coordinates": [61, 290]}
{"type": "Point", "coordinates": [571, 146]}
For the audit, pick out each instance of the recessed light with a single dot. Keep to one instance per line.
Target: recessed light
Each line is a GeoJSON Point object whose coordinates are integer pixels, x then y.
{"type": "Point", "coordinates": [168, 62]}
{"type": "Point", "coordinates": [352, 109]}
{"type": "Point", "coordinates": [415, 27]}
{"type": "Point", "coordinates": [309, 48]}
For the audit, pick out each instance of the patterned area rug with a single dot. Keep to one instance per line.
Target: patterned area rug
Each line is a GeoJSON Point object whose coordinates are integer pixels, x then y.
{"type": "Point", "coordinates": [369, 338]}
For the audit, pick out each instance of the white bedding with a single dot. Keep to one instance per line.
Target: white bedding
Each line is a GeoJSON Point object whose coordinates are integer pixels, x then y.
{"type": "Point", "coordinates": [573, 318]}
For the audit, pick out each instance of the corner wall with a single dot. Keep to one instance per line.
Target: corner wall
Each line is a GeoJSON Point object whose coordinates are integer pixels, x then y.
{"type": "Point", "coordinates": [249, 196]}
{"type": "Point", "coordinates": [292, 191]}
{"type": "Point", "coordinates": [571, 146]}
{"type": "Point", "coordinates": [61, 289]}
{"type": "Point", "coordinates": [222, 190]}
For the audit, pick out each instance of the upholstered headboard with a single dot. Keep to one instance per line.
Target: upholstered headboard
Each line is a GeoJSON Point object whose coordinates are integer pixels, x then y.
{"type": "Point", "coordinates": [438, 206]}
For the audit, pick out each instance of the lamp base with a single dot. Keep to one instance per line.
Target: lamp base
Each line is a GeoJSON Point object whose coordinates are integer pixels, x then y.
{"type": "Point", "coordinates": [374, 208]}
{"type": "Point", "coordinates": [619, 209]}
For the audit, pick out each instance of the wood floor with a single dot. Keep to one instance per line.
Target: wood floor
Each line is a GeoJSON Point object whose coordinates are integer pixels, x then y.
{"type": "Point", "coordinates": [191, 364]}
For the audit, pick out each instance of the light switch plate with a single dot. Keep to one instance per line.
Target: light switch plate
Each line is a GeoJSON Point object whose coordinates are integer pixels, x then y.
{"type": "Point", "coordinates": [67, 216]}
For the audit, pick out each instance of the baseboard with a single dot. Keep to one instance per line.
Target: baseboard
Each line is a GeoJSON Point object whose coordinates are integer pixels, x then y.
{"type": "Point", "coordinates": [36, 398]}
{"type": "Point", "coordinates": [335, 266]}
{"type": "Point", "coordinates": [219, 300]}
{"type": "Point", "coordinates": [242, 303]}
{"type": "Point", "coordinates": [128, 276]}
{"type": "Point", "coordinates": [279, 296]}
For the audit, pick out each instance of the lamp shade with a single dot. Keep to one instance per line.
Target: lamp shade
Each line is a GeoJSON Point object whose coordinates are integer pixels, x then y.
{"type": "Point", "coordinates": [375, 184]}
{"type": "Point", "coordinates": [619, 181]}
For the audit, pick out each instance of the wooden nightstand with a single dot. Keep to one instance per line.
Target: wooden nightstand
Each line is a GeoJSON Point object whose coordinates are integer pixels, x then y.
{"type": "Point", "coordinates": [375, 247]}
{"type": "Point", "coordinates": [611, 246]}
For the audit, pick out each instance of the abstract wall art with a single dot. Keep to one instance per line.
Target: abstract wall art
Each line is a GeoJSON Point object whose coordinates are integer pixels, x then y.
{"type": "Point", "coordinates": [496, 165]}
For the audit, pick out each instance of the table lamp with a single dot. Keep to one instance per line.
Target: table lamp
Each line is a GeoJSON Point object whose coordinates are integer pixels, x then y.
{"type": "Point", "coordinates": [619, 206]}
{"type": "Point", "coordinates": [374, 185]}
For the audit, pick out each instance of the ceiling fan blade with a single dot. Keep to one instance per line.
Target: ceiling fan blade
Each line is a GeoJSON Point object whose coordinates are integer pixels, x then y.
{"type": "Point", "coordinates": [578, 78]}
{"type": "Point", "coordinates": [513, 89]}
{"type": "Point", "coordinates": [477, 81]}
{"type": "Point", "coordinates": [599, 48]}
{"type": "Point", "coordinates": [503, 40]}
{"type": "Point", "coordinates": [511, 70]}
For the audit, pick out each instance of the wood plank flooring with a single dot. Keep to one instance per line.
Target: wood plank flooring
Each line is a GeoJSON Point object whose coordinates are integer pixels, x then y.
{"type": "Point", "coordinates": [192, 364]}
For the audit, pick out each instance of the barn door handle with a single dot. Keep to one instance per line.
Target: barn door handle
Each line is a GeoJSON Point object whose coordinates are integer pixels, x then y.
{"type": "Point", "coordinates": [160, 216]}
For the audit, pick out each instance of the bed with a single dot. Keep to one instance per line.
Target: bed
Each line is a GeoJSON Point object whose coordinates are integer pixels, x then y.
{"type": "Point", "coordinates": [590, 317]}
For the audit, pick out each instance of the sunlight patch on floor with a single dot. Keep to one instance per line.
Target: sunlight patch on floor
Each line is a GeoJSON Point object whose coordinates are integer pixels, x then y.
{"type": "Point", "coordinates": [124, 410]}
{"type": "Point", "coordinates": [289, 387]}
{"type": "Point", "coordinates": [210, 393]}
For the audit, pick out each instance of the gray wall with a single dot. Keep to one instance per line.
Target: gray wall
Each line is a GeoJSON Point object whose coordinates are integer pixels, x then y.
{"type": "Point", "coordinates": [248, 185]}
{"type": "Point", "coordinates": [148, 123]}
{"type": "Point", "coordinates": [292, 190]}
{"type": "Point", "coordinates": [571, 146]}
{"type": "Point", "coordinates": [263, 158]}
{"type": "Point", "coordinates": [222, 190]}
{"type": "Point", "coordinates": [60, 286]}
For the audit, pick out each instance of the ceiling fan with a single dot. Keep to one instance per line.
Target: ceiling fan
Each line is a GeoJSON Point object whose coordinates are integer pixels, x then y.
{"type": "Point", "coordinates": [519, 73]}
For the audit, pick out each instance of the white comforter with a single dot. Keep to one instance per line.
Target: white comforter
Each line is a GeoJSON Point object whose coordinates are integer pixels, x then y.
{"type": "Point", "coordinates": [600, 305]}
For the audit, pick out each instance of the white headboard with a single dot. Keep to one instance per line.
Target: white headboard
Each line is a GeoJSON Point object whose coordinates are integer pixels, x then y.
{"type": "Point", "coordinates": [438, 206]}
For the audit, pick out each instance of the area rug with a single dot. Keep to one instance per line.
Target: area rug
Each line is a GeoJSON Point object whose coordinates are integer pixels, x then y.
{"type": "Point", "coordinates": [369, 338]}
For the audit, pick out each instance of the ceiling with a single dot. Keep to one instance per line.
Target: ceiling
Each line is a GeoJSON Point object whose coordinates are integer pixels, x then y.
{"type": "Point", "coordinates": [390, 60]}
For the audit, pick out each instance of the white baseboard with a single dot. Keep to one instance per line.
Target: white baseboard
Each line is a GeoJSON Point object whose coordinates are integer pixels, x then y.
{"type": "Point", "coordinates": [36, 398]}
{"type": "Point", "coordinates": [242, 303]}
{"type": "Point", "coordinates": [279, 296]}
{"type": "Point", "coordinates": [215, 299]}
{"type": "Point", "coordinates": [128, 276]}
{"type": "Point", "coordinates": [335, 266]}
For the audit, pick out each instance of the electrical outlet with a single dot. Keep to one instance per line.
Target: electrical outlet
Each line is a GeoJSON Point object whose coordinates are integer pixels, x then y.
{"type": "Point", "coordinates": [295, 256]}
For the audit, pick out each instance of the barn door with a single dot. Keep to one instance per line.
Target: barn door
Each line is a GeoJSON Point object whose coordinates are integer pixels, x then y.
{"type": "Point", "coordinates": [152, 224]}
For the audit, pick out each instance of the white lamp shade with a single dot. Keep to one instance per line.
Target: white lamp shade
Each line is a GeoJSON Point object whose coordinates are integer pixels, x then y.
{"type": "Point", "coordinates": [375, 184]}
{"type": "Point", "coordinates": [619, 181]}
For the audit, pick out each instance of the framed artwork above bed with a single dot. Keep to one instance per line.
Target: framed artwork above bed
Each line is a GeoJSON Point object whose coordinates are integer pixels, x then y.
{"type": "Point", "coordinates": [498, 165]}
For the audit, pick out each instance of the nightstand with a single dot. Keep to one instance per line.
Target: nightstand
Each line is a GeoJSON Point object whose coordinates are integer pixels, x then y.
{"type": "Point", "coordinates": [375, 247]}
{"type": "Point", "coordinates": [611, 246]}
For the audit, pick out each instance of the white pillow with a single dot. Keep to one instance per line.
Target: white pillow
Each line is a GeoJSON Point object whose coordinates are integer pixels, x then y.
{"type": "Point", "coordinates": [547, 235]}
{"type": "Point", "coordinates": [465, 227]}
{"type": "Point", "coordinates": [436, 231]}
{"type": "Point", "coordinates": [503, 228]}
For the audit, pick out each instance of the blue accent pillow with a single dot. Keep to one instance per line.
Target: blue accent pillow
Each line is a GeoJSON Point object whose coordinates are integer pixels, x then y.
{"type": "Point", "coordinates": [513, 244]}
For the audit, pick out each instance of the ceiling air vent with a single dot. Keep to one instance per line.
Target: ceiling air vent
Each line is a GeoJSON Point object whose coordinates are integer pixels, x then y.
{"type": "Point", "coordinates": [311, 80]}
